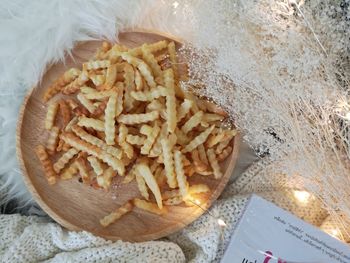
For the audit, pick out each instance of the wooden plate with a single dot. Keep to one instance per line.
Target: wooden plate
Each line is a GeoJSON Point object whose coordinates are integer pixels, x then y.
{"type": "Point", "coordinates": [79, 207]}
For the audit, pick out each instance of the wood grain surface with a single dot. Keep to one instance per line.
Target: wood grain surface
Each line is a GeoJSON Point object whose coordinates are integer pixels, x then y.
{"type": "Point", "coordinates": [79, 207]}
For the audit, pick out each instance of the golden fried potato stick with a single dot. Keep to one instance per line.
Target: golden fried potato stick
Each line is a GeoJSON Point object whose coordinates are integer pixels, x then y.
{"type": "Point", "coordinates": [142, 67]}
{"type": "Point", "coordinates": [155, 105]}
{"type": "Point", "coordinates": [157, 147]}
{"type": "Point", "coordinates": [141, 184]}
{"type": "Point", "coordinates": [83, 170]}
{"type": "Point", "coordinates": [128, 149]}
{"type": "Point", "coordinates": [102, 51]}
{"type": "Point", "coordinates": [86, 103]}
{"type": "Point", "coordinates": [52, 140]}
{"type": "Point", "coordinates": [75, 85]}
{"type": "Point", "coordinates": [138, 80]}
{"type": "Point", "coordinates": [225, 153]}
{"type": "Point", "coordinates": [96, 64]}
{"type": "Point", "coordinates": [184, 109]}
{"type": "Point", "coordinates": [104, 180]}
{"type": "Point", "coordinates": [91, 149]}
{"type": "Point", "coordinates": [153, 48]}
{"type": "Point", "coordinates": [149, 58]}
{"type": "Point", "coordinates": [110, 114]}
{"type": "Point", "coordinates": [222, 145]}
{"type": "Point", "coordinates": [150, 95]}
{"type": "Point", "coordinates": [62, 81]}
{"type": "Point", "coordinates": [145, 149]}
{"type": "Point", "coordinates": [192, 122]}
{"type": "Point", "coordinates": [199, 165]}
{"type": "Point", "coordinates": [130, 176]}
{"type": "Point", "coordinates": [87, 90]}
{"type": "Point", "coordinates": [180, 174]}
{"type": "Point", "coordinates": [51, 115]}
{"type": "Point", "coordinates": [117, 214]}
{"type": "Point", "coordinates": [129, 80]}
{"type": "Point", "coordinates": [202, 154]}
{"type": "Point", "coordinates": [182, 138]}
{"type": "Point", "coordinates": [138, 118]}
{"type": "Point", "coordinates": [144, 170]}
{"type": "Point", "coordinates": [149, 207]}
{"type": "Point", "coordinates": [64, 159]}
{"type": "Point", "coordinates": [214, 163]}
{"type": "Point", "coordinates": [97, 79]}
{"type": "Point", "coordinates": [168, 163]}
{"type": "Point", "coordinates": [111, 76]}
{"type": "Point", "coordinates": [116, 152]}
{"type": "Point", "coordinates": [170, 100]}
{"type": "Point", "coordinates": [206, 105]}
{"type": "Point", "coordinates": [198, 140]}
{"type": "Point", "coordinates": [72, 104]}
{"type": "Point", "coordinates": [97, 125]}
{"type": "Point", "coordinates": [69, 172]}
{"type": "Point", "coordinates": [194, 99]}
{"type": "Point", "coordinates": [173, 201]}
{"type": "Point", "coordinates": [173, 59]}
{"type": "Point", "coordinates": [46, 164]}
{"type": "Point", "coordinates": [211, 117]}
{"type": "Point", "coordinates": [160, 177]}
{"type": "Point", "coordinates": [95, 164]}
{"type": "Point", "coordinates": [98, 95]}
{"type": "Point", "coordinates": [64, 112]}
{"type": "Point", "coordinates": [135, 139]}
{"type": "Point", "coordinates": [189, 171]}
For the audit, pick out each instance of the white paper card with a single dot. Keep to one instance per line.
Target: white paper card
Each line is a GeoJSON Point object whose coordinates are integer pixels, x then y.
{"type": "Point", "coordinates": [268, 234]}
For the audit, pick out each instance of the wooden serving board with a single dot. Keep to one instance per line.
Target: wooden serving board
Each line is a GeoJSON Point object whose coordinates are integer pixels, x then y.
{"type": "Point", "coordinates": [79, 207]}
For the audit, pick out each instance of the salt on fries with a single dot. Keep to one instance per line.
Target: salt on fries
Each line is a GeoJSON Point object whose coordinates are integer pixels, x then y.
{"type": "Point", "coordinates": [128, 116]}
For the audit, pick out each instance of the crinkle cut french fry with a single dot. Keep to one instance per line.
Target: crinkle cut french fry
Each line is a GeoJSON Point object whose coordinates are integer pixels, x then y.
{"type": "Point", "coordinates": [198, 140]}
{"type": "Point", "coordinates": [100, 109]}
{"type": "Point", "coordinates": [170, 100]}
{"type": "Point", "coordinates": [102, 51]}
{"type": "Point", "coordinates": [149, 58]}
{"type": "Point", "coordinates": [211, 107]}
{"type": "Point", "coordinates": [114, 216]}
{"type": "Point", "coordinates": [83, 170]}
{"type": "Point", "coordinates": [199, 165]}
{"type": "Point", "coordinates": [192, 122]}
{"type": "Point", "coordinates": [168, 163]}
{"type": "Point", "coordinates": [173, 58]}
{"type": "Point", "coordinates": [97, 125]}
{"type": "Point", "coordinates": [157, 147]}
{"type": "Point", "coordinates": [214, 163]}
{"type": "Point", "coordinates": [180, 174]}
{"type": "Point", "coordinates": [138, 118]}
{"type": "Point", "coordinates": [150, 95]}
{"type": "Point", "coordinates": [225, 153]}
{"type": "Point", "coordinates": [53, 139]}
{"type": "Point", "coordinates": [141, 184]}
{"type": "Point", "coordinates": [64, 159]}
{"type": "Point", "coordinates": [96, 64]}
{"type": "Point", "coordinates": [138, 80]}
{"type": "Point", "coordinates": [69, 172]}
{"type": "Point", "coordinates": [191, 97]}
{"type": "Point", "coordinates": [222, 145]}
{"type": "Point", "coordinates": [51, 115]}
{"type": "Point", "coordinates": [145, 149]}
{"type": "Point", "coordinates": [97, 79]}
{"type": "Point", "coordinates": [46, 164]}
{"type": "Point", "coordinates": [97, 142]}
{"type": "Point", "coordinates": [130, 176]}
{"type": "Point", "coordinates": [211, 117]}
{"type": "Point", "coordinates": [96, 165]}
{"type": "Point", "coordinates": [76, 84]}
{"type": "Point", "coordinates": [104, 180]}
{"type": "Point", "coordinates": [142, 67]}
{"type": "Point", "coordinates": [110, 113]}
{"type": "Point", "coordinates": [154, 47]}
{"type": "Point", "coordinates": [86, 103]}
{"type": "Point", "coordinates": [129, 87]}
{"type": "Point", "coordinates": [182, 138]}
{"type": "Point", "coordinates": [128, 149]}
{"type": "Point", "coordinates": [173, 201]}
{"type": "Point", "coordinates": [111, 76]}
{"type": "Point", "coordinates": [69, 76]}
{"type": "Point", "coordinates": [202, 154]}
{"type": "Point", "coordinates": [91, 149]}
{"type": "Point", "coordinates": [150, 207]}
{"type": "Point", "coordinates": [184, 108]}
{"type": "Point", "coordinates": [143, 170]}
{"type": "Point", "coordinates": [98, 95]}
{"type": "Point", "coordinates": [135, 139]}
{"type": "Point", "coordinates": [65, 112]}
{"type": "Point", "coordinates": [87, 90]}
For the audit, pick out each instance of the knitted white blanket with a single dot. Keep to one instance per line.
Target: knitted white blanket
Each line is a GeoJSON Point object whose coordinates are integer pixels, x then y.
{"type": "Point", "coordinates": [36, 239]}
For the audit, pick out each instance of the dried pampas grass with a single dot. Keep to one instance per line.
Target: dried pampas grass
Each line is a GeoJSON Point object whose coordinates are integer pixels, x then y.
{"type": "Point", "coordinates": [280, 70]}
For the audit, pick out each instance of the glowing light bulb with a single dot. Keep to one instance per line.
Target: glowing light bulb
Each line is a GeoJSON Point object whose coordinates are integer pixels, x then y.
{"type": "Point", "coordinates": [221, 222]}
{"type": "Point", "coordinates": [302, 196]}
{"type": "Point", "coordinates": [196, 201]}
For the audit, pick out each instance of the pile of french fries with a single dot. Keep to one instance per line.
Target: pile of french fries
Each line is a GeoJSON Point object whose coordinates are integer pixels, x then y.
{"type": "Point", "coordinates": [125, 114]}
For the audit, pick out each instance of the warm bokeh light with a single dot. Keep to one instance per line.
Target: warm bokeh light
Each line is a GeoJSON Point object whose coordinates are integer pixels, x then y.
{"type": "Point", "coordinates": [302, 196]}
{"type": "Point", "coordinates": [221, 222]}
